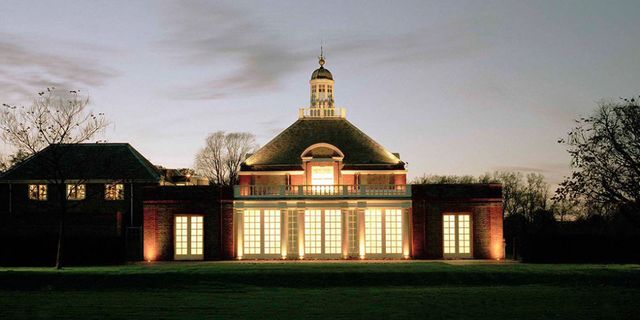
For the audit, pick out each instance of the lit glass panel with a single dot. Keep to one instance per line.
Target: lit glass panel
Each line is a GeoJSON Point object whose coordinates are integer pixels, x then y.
{"type": "Point", "coordinates": [76, 191]}
{"type": "Point", "coordinates": [114, 191]}
{"type": "Point", "coordinates": [271, 231]}
{"type": "Point", "coordinates": [393, 230]}
{"type": "Point", "coordinates": [373, 230]}
{"type": "Point", "coordinates": [332, 232]}
{"type": "Point", "coordinates": [322, 180]}
{"type": "Point", "coordinates": [182, 225]}
{"type": "Point", "coordinates": [293, 232]}
{"type": "Point", "coordinates": [251, 232]}
{"type": "Point", "coordinates": [38, 192]}
{"type": "Point", "coordinates": [464, 234]}
{"type": "Point", "coordinates": [196, 235]}
{"type": "Point", "coordinates": [449, 233]}
{"type": "Point", "coordinates": [312, 231]}
{"type": "Point", "coordinates": [353, 232]}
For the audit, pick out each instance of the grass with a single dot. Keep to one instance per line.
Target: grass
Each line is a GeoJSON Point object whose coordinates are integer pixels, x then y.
{"type": "Point", "coordinates": [415, 289]}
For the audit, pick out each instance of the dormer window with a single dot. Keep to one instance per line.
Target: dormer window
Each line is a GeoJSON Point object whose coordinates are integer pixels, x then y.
{"type": "Point", "coordinates": [76, 191]}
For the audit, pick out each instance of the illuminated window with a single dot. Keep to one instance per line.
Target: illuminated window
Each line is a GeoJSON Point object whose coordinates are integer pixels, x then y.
{"type": "Point", "coordinates": [322, 176]}
{"type": "Point", "coordinates": [353, 232]}
{"type": "Point", "coordinates": [76, 191]}
{"type": "Point", "coordinates": [251, 232]}
{"type": "Point", "coordinates": [312, 231]}
{"type": "Point", "coordinates": [114, 191]}
{"type": "Point", "coordinates": [189, 235]}
{"type": "Point", "coordinates": [293, 232]}
{"type": "Point", "coordinates": [196, 235]}
{"type": "Point", "coordinates": [393, 230]}
{"type": "Point", "coordinates": [182, 227]}
{"type": "Point", "coordinates": [373, 230]}
{"type": "Point", "coordinates": [449, 233]}
{"type": "Point", "coordinates": [456, 234]}
{"type": "Point", "coordinates": [271, 231]}
{"type": "Point", "coordinates": [322, 180]}
{"type": "Point", "coordinates": [464, 234]}
{"type": "Point", "coordinates": [38, 192]}
{"type": "Point", "coordinates": [332, 232]}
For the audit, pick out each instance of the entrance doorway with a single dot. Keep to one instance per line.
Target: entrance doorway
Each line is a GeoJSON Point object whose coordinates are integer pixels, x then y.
{"type": "Point", "coordinates": [188, 237]}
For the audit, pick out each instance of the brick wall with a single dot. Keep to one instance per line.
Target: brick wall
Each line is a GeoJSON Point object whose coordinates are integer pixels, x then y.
{"type": "Point", "coordinates": [163, 203]}
{"type": "Point", "coordinates": [482, 201]}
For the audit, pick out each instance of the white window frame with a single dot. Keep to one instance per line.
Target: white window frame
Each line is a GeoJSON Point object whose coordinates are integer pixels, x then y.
{"type": "Point", "coordinates": [457, 235]}
{"type": "Point", "coordinates": [190, 229]}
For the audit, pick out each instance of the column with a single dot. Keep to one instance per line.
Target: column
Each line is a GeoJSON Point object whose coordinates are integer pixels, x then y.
{"type": "Point", "coordinates": [284, 232]}
{"type": "Point", "coordinates": [239, 226]}
{"type": "Point", "coordinates": [406, 233]}
{"type": "Point", "coordinates": [344, 216]}
{"type": "Point", "coordinates": [361, 232]}
{"type": "Point", "coordinates": [301, 233]}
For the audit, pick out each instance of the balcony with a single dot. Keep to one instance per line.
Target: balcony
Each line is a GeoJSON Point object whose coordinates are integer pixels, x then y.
{"type": "Point", "coordinates": [322, 113]}
{"type": "Point", "coordinates": [330, 191]}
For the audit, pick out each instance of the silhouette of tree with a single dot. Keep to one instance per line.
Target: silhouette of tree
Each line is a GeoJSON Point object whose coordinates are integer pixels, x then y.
{"type": "Point", "coordinates": [52, 119]}
{"type": "Point", "coordinates": [605, 156]}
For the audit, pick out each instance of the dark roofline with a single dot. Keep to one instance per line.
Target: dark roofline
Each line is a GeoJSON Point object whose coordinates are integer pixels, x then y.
{"type": "Point", "coordinates": [144, 161]}
{"type": "Point", "coordinates": [244, 166]}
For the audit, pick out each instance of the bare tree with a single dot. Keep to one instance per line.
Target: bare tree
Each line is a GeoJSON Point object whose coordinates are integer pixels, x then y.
{"type": "Point", "coordinates": [522, 194]}
{"type": "Point", "coordinates": [4, 163]}
{"type": "Point", "coordinates": [605, 156]}
{"type": "Point", "coordinates": [222, 155]}
{"type": "Point", "coordinates": [52, 119]}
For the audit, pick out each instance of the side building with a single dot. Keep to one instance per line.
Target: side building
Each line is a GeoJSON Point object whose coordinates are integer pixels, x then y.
{"type": "Point", "coordinates": [96, 189]}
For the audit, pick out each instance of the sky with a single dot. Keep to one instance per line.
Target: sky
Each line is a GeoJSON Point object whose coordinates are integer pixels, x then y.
{"type": "Point", "coordinates": [456, 87]}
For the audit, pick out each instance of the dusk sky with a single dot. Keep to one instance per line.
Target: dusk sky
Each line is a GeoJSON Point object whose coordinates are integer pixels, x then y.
{"type": "Point", "coordinates": [456, 87]}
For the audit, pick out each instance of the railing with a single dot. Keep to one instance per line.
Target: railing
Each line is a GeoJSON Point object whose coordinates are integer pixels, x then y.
{"type": "Point", "coordinates": [322, 113]}
{"type": "Point", "coordinates": [310, 191]}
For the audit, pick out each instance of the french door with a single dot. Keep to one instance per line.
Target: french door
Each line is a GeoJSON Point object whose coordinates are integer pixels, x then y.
{"type": "Point", "coordinates": [188, 237]}
{"type": "Point", "coordinates": [456, 235]}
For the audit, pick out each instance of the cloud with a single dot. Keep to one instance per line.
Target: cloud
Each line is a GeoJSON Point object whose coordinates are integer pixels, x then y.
{"type": "Point", "coordinates": [27, 68]}
{"type": "Point", "coordinates": [204, 34]}
{"type": "Point", "coordinates": [215, 36]}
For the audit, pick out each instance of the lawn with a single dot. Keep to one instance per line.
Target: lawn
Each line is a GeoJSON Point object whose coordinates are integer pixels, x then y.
{"type": "Point", "coordinates": [416, 289]}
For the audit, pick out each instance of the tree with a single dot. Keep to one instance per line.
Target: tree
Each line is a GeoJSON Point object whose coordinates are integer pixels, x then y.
{"type": "Point", "coordinates": [4, 163]}
{"type": "Point", "coordinates": [522, 194]}
{"type": "Point", "coordinates": [605, 156]}
{"type": "Point", "coordinates": [52, 119]}
{"type": "Point", "coordinates": [222, 155]}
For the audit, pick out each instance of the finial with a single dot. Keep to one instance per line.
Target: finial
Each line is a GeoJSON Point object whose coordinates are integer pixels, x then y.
{"type": "Point", "coordinates": [321, 57]}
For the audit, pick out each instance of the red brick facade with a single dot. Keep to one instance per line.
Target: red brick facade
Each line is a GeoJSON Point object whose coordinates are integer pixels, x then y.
{"type": "Point", "coordinates": [431, 202]}
{"type": "Point", "coordinates": [161, 206]}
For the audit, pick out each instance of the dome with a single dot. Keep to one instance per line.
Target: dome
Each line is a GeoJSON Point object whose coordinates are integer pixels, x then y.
{"type": "Point", "coordinates": [321, 73]}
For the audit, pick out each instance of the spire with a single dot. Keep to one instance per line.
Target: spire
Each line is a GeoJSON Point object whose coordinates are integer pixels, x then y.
{"type": "Point", "coordinates": [321, 57]}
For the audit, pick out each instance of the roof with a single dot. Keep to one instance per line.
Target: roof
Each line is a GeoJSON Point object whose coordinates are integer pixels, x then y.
{"type": "Point", "coordinates": [84, 161]}
{"type": "Point", "coordinates": [285, 150]}
{"type": "Point", "coordinates": [321, 73]}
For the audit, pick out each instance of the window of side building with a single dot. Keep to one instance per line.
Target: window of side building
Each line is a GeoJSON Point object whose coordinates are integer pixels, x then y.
{"type": "Point", "coordinates": [114, 191]}
{"type": "Point", "coordinates": [38, 192]}
{"type": "Point", "coordinates": [76, 191]}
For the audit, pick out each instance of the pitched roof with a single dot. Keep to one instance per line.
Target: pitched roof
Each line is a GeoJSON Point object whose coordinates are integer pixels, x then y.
{"type": "Point", "coordinates": [284, 151]}
{"type": "Point", "coordinates": [84, 161]}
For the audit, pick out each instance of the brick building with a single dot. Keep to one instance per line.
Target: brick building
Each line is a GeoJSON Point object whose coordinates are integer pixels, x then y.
{"type": "Point", "coordinates": [321, 189]}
